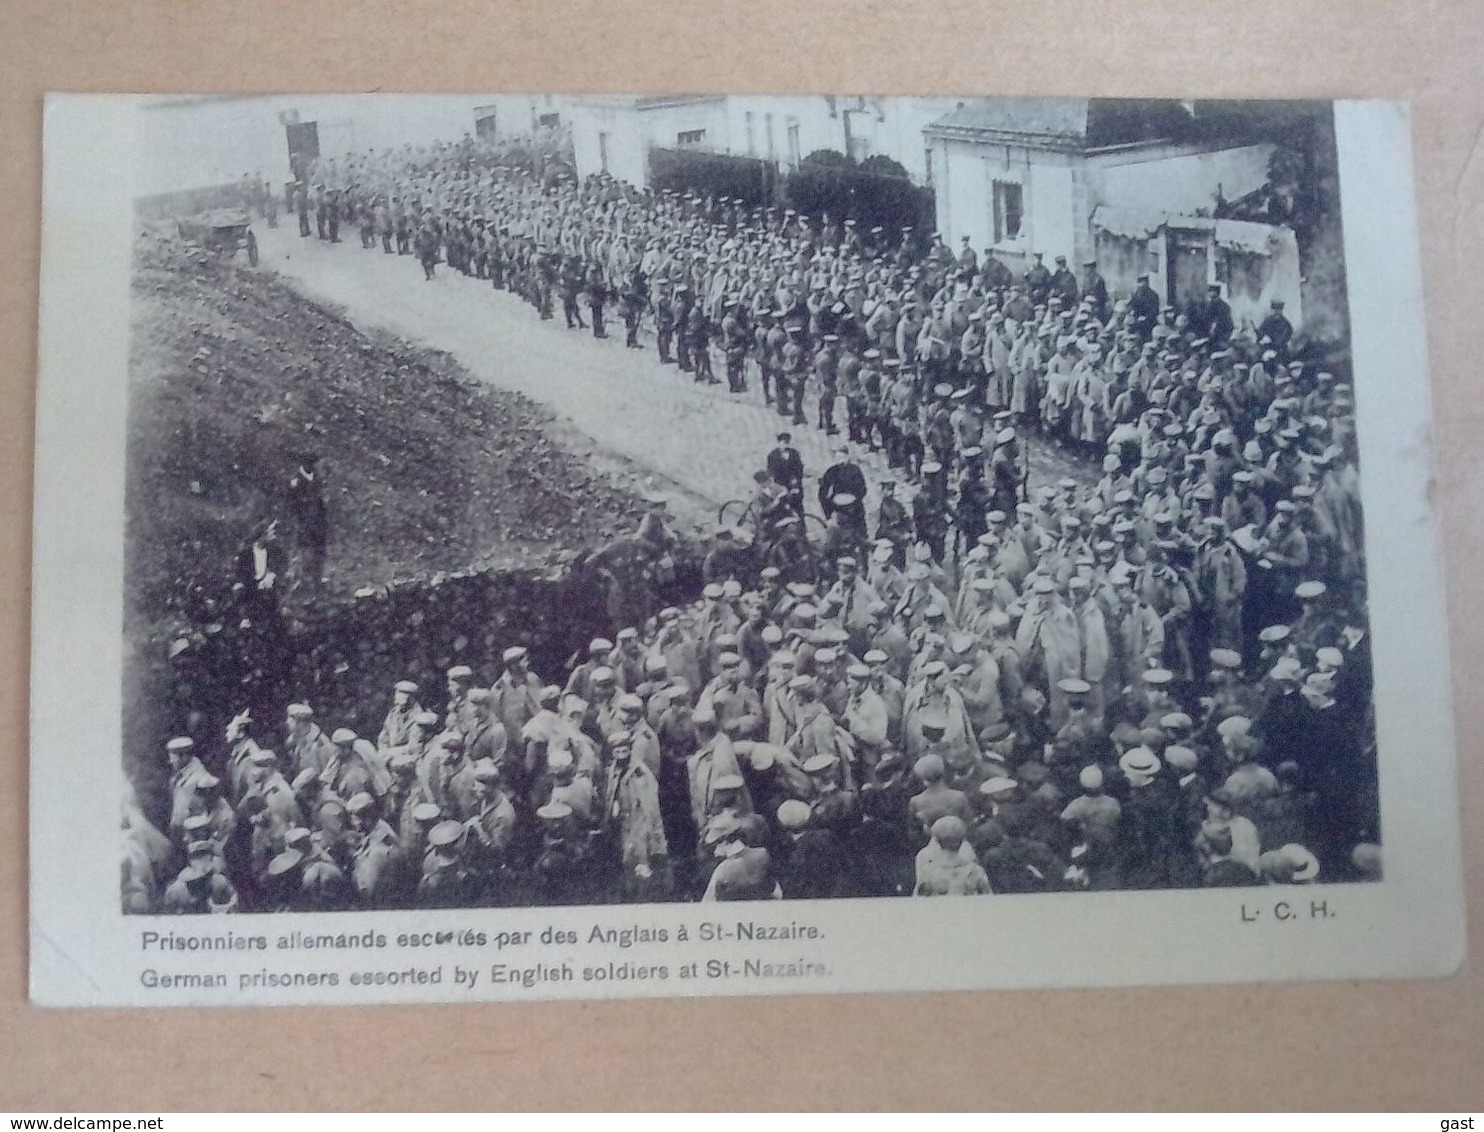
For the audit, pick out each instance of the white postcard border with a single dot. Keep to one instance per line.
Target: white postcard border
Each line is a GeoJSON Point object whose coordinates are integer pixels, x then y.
{"type": "Point", "coordinates": [84, 951]}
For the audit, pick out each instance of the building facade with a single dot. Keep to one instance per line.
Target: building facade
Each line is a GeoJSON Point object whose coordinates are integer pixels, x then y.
{"type": "Point", "coordinates": [613, 134]}
{"type": "Point", "coordinates": [1136, 187]}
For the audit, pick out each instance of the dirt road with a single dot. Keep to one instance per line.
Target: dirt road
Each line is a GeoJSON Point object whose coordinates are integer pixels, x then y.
{"type": "Point", "coordinates": [700, 436]}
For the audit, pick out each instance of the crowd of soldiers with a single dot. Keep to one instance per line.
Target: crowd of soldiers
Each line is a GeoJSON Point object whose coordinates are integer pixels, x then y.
{"type": "Point", "coordinates": [1160, 679]}
{"type": "Point", "coordinates": [1035, 728]}
{"type": "Point", "coordinates": [920, 349]}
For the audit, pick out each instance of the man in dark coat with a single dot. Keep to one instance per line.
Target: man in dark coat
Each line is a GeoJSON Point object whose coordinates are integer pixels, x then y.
{"type": "Point", "coordinates": [1095, 288]}
{"type": "Point", "coordinates": [786, 467]}
{"type": "Point", "coordinates": [306, 501]}
{"type": "Point", "coordinates": [1143, 308]}
{"type": "Point", "coordinates": [843, 477]}
{"type": "Point", "coordinates": [1277, 329]}
{"type": "Point", "coordinates": [812, 862]}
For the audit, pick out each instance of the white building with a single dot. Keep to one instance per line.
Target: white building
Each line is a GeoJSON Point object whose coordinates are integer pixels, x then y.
{"type": "Point", "coordinates": [614, 134]}
{"type": "Point", "coordinates": [197, 142]}
{"type": "Point", "coordinates": [1132, 185]}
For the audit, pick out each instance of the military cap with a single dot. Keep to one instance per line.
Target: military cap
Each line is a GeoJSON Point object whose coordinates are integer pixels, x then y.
{"type": "Point", "coordinates": [929, 768]}
{"type": "Point", "coordinates": [1308, 591]}
{"type": "Point", "coordinates": [759, 756]}
{"type": "Point", "coordinates": [943, 389]}
{"type": "Point", "coordinates": [1329, 658]}
{"type": "Point", "coordinates": [461, 672]}
{"type": "Point", "coordinates": [604, 675]}
{"type": "Point", "coordinates": [426, 812]}
{"type": "Point", "coordinates": [703, 713]}
{"type": "Point", "coordinates": [196, 822]}
{"type": "Point", "coordinates": [1043, 585]}
{"type": "Point", "coordinates": [630, 702]}
{"type": "Point", "coordinates": [402, 761]}
{"type": "Point", "coordinates": [720, 828]}
{"type": "Point", "coordinates": [931, 467]}
{"type": "Point", "coordinates": [180, 743]}
{"type": "Point", "coordinates": [999, 784]}
{"type": "Point", "coordinates": [793, 814]}
{"type": "Point", "coordinates": [549, 694]}
{"type": "Point", "coordinates": [1158, 676]}
{"type": "Point", "coordinates": [445, 834]}
{"type": "Point", "coordinates": [771, 634]}
{"type": "Point", "coordinates": [1090, 778]}
{"type": "Point", "coordinates": [1304, 864]}
{"type": "Point", "coordinates": [1272, 634]}
{"type": "Point", "coordinates": [425, 719]}
{"type": "Point", "coordinates": [405, 686]}
{"type": "Point", "coordinates": [805, 611]}
{"type": "Point", "coordinates": [600, 645]}
{"type": "Point", "coordinates": [994, 732]}
{"type": "Point", "coordinates": [628, 633]}
{"type": "Point", "coordinates": [875, 656]}
{"type": "Point", "coordinates": [1226, 658]}
{"type": "Point", "coordinates": [1139, 761]}
{"type": "Point", "coordinates": [1176, 721]}
{"type": "Point", "coordinates": [359, 802]}
{"type": "Point", "coordinates": [300, 711]}
{"type": "Point", "coordinates": [1287, 668]}
{"type": "Point", "coordinates": [1072, 686]}
{"type": "Point", "coordinates": [803, 683]}
{"type": "Point", "coordinates": [286, 862]}
{"type": "Point", "coordinates": [948, 828]}
{"type": "Point", "coordinates": [343, 735]}
{"type": "Point", "coordinates": [1181, 758]}
{"type": "Point", "coordinates": [306, 777]}
{"type": "Point", "coordinates": [514, 653]}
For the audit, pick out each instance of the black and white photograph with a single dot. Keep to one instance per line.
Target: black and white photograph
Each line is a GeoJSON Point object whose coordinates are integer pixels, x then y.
{"type": "Point", "coordinates": [605, 544]}
{"type": "Point", "coordinates": [603, 499]}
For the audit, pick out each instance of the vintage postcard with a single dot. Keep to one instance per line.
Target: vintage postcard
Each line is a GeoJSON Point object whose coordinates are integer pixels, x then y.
{"type": "Point", "coordinates": [503, 546]}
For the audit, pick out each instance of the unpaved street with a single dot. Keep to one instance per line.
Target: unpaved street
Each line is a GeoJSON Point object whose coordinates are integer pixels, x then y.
{"type": "Point", "coordinates": [703, 438]}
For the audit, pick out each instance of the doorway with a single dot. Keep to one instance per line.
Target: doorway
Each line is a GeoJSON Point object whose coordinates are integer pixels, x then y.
{"type": "Point", "coordinates": [1188, 271]}
{"type": "Point", "coordinates": [303, 140]}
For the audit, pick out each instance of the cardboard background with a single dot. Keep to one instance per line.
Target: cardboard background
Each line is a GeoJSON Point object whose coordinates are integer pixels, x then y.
{"type": "Point", "coordinates": [1370, 1045]}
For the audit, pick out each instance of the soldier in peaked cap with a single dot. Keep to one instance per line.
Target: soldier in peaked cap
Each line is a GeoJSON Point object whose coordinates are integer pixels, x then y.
{"type": "Point", "coordinates": [396, 728]}
{"type": "Point", "coordinates": [1276, 328]}
{"type": "Point", "coordinates": [445, 875]}
{"type": "Point", "coordinates": [786, 467]}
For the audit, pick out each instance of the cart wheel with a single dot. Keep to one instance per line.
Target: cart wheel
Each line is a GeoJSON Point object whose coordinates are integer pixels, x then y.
{"type": "Point", "coordinates": [735, 513]}
{"type": "Point", "coordinates": [252, 250]}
